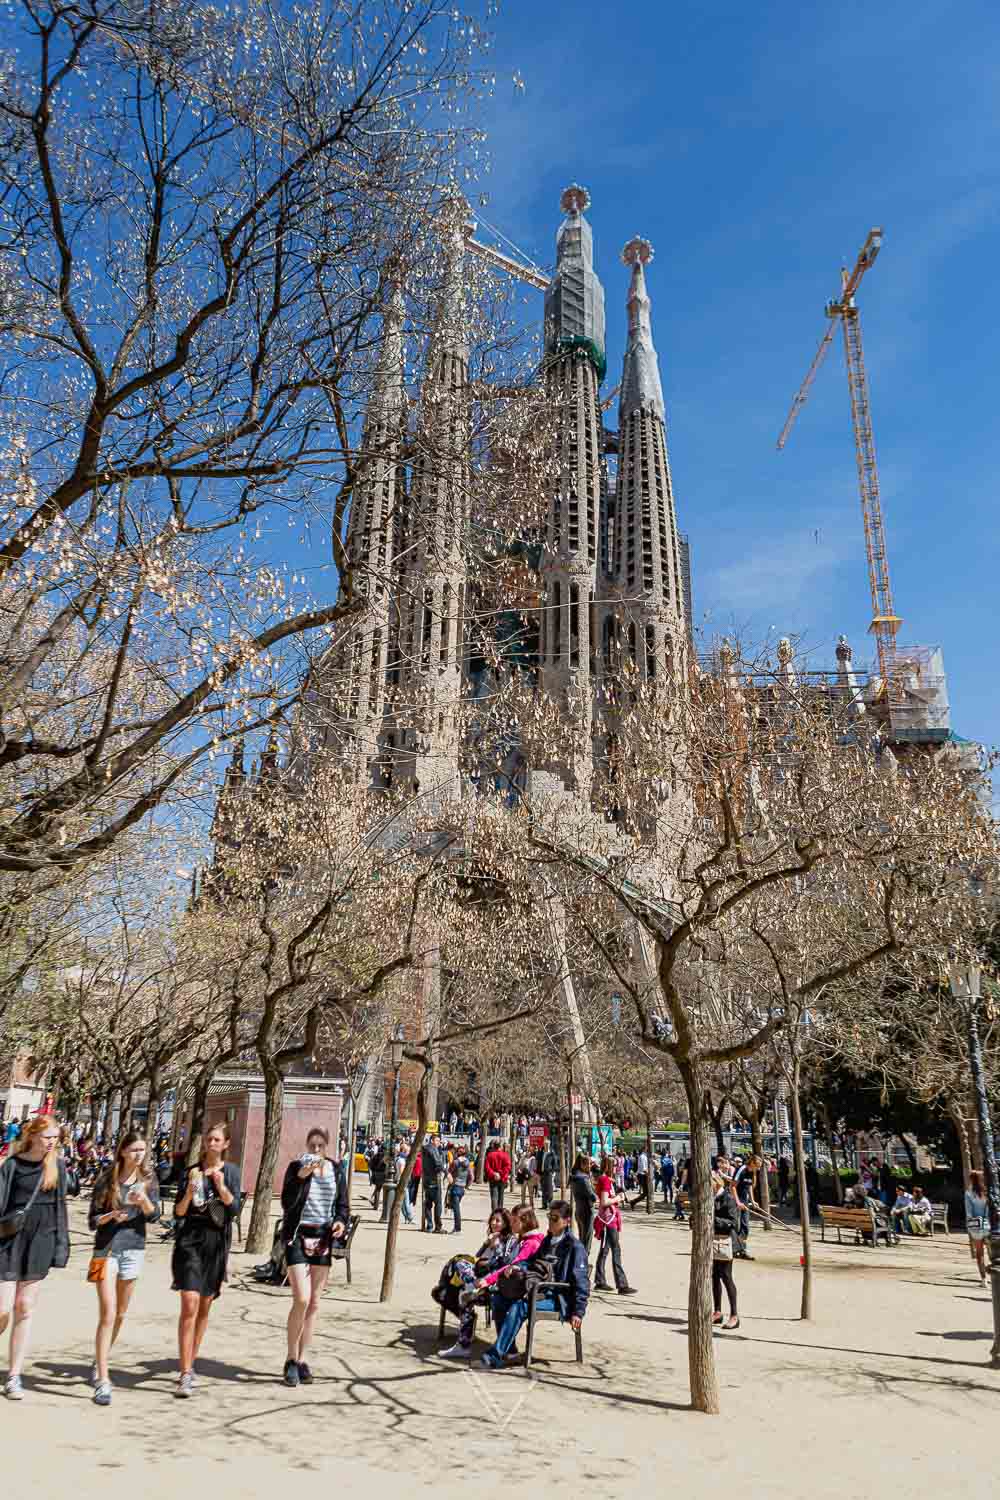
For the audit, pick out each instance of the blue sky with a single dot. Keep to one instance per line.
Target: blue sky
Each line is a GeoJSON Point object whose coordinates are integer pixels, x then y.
{"type": "Point", "coordinates": [755, 146]}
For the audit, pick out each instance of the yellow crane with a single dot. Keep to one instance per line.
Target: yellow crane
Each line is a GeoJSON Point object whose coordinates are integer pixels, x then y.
{"type": "Point", "coordinates": [885, 622]}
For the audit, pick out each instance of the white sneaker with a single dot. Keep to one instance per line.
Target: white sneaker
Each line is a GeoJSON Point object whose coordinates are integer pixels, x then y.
{"type": "Point", "coordinates": [457, 1351]}
{"type": "Point", "coordinates": [102, 1393]}
{"type": "Point", "coordinates": [185, 1385]}
{"type": "Point", "coordinates": [13, 1389]}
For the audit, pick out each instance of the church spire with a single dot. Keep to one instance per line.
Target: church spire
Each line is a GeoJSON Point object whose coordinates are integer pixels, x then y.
{"type": "Point", "coordinates": [641, 372]}
{"type": "Point", "coordinates": [574, 302]}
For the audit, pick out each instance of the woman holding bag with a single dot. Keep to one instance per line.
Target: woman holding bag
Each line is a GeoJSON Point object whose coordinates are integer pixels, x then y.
{"type": "Point", "coordinates": [123, 1202]}
{"type": "Point", "coordinates": [726, 1223]}
{"type": "Point", "coordinates": [208, 1198]}
{"type": "Point", "coordinates": [34, 1233]}
{"type": "Point", "coordinates": [607, 1225]}
{"type": "Point", "coordinates": [315, 1212]}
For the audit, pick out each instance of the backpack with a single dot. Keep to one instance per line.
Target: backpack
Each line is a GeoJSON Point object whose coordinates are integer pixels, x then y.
{"type": "Point", "coordinates": [274, 1272]}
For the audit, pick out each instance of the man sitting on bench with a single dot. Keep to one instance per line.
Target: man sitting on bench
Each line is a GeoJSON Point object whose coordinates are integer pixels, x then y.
{"type": "Point", "coordinates": [561, 1247]}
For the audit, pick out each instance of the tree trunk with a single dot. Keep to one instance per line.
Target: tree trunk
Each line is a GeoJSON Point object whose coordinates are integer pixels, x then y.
{"type": "Point", "coordinates": [800, 1175]}
{"type": "Point", "coordinates": [199, 1106]}
{"type": "Point", "coordinates": [349, 1134]}
{"type": "Point", "coordinates": [650, 1172]}
{"type": "Point", "coordinates": [716, 1118]}
{"type": "Point", "coordinates": [701, 1354]}
{"type": "Point", "coordinates": [392, 1230]}
{"type": "Point", "coordinates": [481, 1153]}
{"type": "Point", "coordinates": [259, 1234]}
{"type": "Point", "coordinates": [962, 1132]}
{"type": "Point", "coordinates": [838, 1186]}
{"type": "Point", "coordinates": [910, 1154]}
{"type": "Point", "coordinates": [153, 1106]}
{"type": "Point", "coordinates": [125, 1112]}
{"type": "Point", "coordinates": [757, 1146]}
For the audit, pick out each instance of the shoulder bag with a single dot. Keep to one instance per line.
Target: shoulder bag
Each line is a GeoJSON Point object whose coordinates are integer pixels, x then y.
{"type": "Point", "coordinates": [722, 1247]}
{"type": "Point", "coordinates": [11, 1224]}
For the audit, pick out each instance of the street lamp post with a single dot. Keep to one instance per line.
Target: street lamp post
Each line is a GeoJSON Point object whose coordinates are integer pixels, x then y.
{"type": "Point", "coordinates": [389, 1192]}
{"type": "Point", "coordinates": [965, 986]}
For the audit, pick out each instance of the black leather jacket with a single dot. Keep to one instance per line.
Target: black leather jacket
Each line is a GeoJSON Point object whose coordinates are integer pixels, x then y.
{"type": "Point", "coordinates": [727, 1217]}
{"type": "Point", "coordinates": [61, 1255]}
{"type": "Point", "coordinates": [295, 1191]}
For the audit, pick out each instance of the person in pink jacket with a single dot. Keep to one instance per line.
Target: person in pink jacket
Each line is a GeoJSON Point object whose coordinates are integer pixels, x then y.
{"type": "Point", "coordinates": [524, 1222]}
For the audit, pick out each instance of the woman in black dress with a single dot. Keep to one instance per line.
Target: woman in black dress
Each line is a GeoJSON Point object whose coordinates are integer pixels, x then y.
{"type": "Point", "coordinates": [33, 1203]}
{"type": "Point", "coordinates": [208, 1198]}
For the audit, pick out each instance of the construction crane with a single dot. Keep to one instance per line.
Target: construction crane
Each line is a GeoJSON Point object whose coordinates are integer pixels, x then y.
{"type": "Point", "coordinates": [885, 622]}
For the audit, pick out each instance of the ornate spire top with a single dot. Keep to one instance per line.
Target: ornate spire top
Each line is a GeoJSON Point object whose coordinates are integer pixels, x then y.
{"type": "Point", "coordinates": [575, 199]}
{"type": "Point", "coordinates": [638, 252]}
{"type": "Point", "coordinates": [641, 371]}
{"type": "Point", "coordinates": [843, 651]}
{"type": "Point", "coordinates": [574, 302]}
{"type": "Point", "coordinates": [785, 652]}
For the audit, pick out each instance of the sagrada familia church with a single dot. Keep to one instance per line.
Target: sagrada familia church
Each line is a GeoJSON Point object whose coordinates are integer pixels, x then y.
{"type": "Point", "coordinates": [611, 572]}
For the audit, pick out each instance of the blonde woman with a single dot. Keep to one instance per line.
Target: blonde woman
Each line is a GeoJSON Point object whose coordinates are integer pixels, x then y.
{"type": "Point", "coordinates": [124, 1201]}
{"type": "Point", "coordinates": [34, 1234]}
{"type": "Point", "coordinates": [207, 1202]}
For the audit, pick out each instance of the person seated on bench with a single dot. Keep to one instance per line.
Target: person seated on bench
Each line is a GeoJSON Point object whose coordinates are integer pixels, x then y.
{"type": "Point", "coordinates": [456, 1286]}
{"type": "Point", "coordinates": [918, 1220]}
{"type": "Point", "coordinates": [900, 1212]}
{"type": "Point", "coordinates": [568, 1256]}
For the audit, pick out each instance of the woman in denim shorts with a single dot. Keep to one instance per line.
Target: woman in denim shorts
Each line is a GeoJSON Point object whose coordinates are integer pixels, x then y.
{"type": "Point", "coordinates": [124, 1201]}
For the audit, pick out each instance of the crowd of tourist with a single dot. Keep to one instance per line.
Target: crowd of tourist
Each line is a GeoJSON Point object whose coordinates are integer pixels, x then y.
{"type": "Point", "coordinates": [519, 1263]}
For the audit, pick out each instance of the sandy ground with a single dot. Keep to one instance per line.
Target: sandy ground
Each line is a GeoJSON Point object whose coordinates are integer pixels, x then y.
{"type": "Point", "coordinates": [887, 1388]}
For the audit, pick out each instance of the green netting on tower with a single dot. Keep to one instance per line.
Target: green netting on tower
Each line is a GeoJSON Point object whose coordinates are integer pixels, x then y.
{"type": "Point", "coordinates": [587, 347]}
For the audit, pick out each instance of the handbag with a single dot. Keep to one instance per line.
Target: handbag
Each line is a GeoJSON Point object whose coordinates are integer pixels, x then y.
{"type": "Point", "coordinates": [11, 1224]}
{"type": "Point", "coordinates": [217, 1213]}
{"type": "Point", "coordinates": [722, 1247]}
{"type": "Point", "coordinates": [97, 1267]}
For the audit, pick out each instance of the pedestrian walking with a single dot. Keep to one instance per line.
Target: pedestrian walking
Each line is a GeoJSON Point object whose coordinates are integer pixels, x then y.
{"type": "Point", "coordinates": [668, 1170]}
{"type": "Point", "coordinates": [548, 1166]}
{"type": "Point", "coordinates": [497, 1169]}
{"type": "Point", "coordinates": [315, 1215]}
{"type": "Point", "coordinates": [784, 1178]}
{"type": "Point", "coordinates": [725, 1226]}
{"type": "Point", "coordinates": [977, 1222]}
{"type": "Point", "coordinates": [746, 1181]}
{"type": "Point", "coordinates": [433, 1169]}
{"type": "Point", "coordinates": [34, 1234]}
{"type": "Point", "coordinates": [641, 1178]}
{"type": "Point", "coordinates": [584, 1200]}
{"type": "Point", "coordinates": [377, 1170]}
{"type": "Point", "coordinates": [460, 1173]}
{"type": "Point", "coordinates": [402, 1156]}
{"type": "Point", "coordinates": [124, 1201]}
{"type": "Point", "coordinates": [607, 1225]}
{"type": "Point", "coordinates": [208, 1198]}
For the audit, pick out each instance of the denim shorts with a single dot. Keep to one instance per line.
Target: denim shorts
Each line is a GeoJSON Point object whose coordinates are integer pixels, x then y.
{"type": "Point", "coordinates": [126, 1264]}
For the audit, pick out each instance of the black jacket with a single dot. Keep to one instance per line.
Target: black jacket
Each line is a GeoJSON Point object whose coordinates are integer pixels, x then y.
{"type": "Point", "coordinates": [582, 1187]}
{"type": "Point", "coordinates": [61, 1255]}
{"type": "Point", "coordinates": [377, 1168]}
{"type": "Point", "coordinates": [433, 1164]}
{"type": "Point", "coordinates": [295, 1191]}
{"type": "Point", "coordinates": [128, 1236]}
{"type": "Point", "coordinates": [548, 1163]}
{"type": "Point", "coordinates": [570, 1256]}
{"type": "Point", "coordinates": [231, 1177]}
{"type": "Point", "coordinates": [727, 1214]}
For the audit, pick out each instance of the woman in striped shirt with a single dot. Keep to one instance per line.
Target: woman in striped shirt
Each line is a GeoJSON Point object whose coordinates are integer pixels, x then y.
{"type": "Point", "coordinates": [315, 1212]}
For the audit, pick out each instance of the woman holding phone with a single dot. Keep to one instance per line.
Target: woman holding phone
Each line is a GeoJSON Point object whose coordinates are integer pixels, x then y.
{"type": "Point", "coordinates": [123, 1202]}
{"type": "Point", "coordinates": [34, 1233]}
{"type": "Point", "coordinates": [315, 1212]}
{"type": "Point", "coordinates": [208, 1198]}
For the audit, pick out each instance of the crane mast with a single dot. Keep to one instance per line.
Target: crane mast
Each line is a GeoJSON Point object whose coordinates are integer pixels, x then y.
{"type": "Point", "coordinates": [885, 622]}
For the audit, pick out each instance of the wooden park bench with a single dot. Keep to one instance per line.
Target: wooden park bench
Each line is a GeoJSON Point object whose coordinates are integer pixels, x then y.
{"type": "Point", "coordinates": [542, 1315]}
{"type": "Point", "coordinates": [860, 1222]}
{"type": "Point", "coordinates": [939, 1215]}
